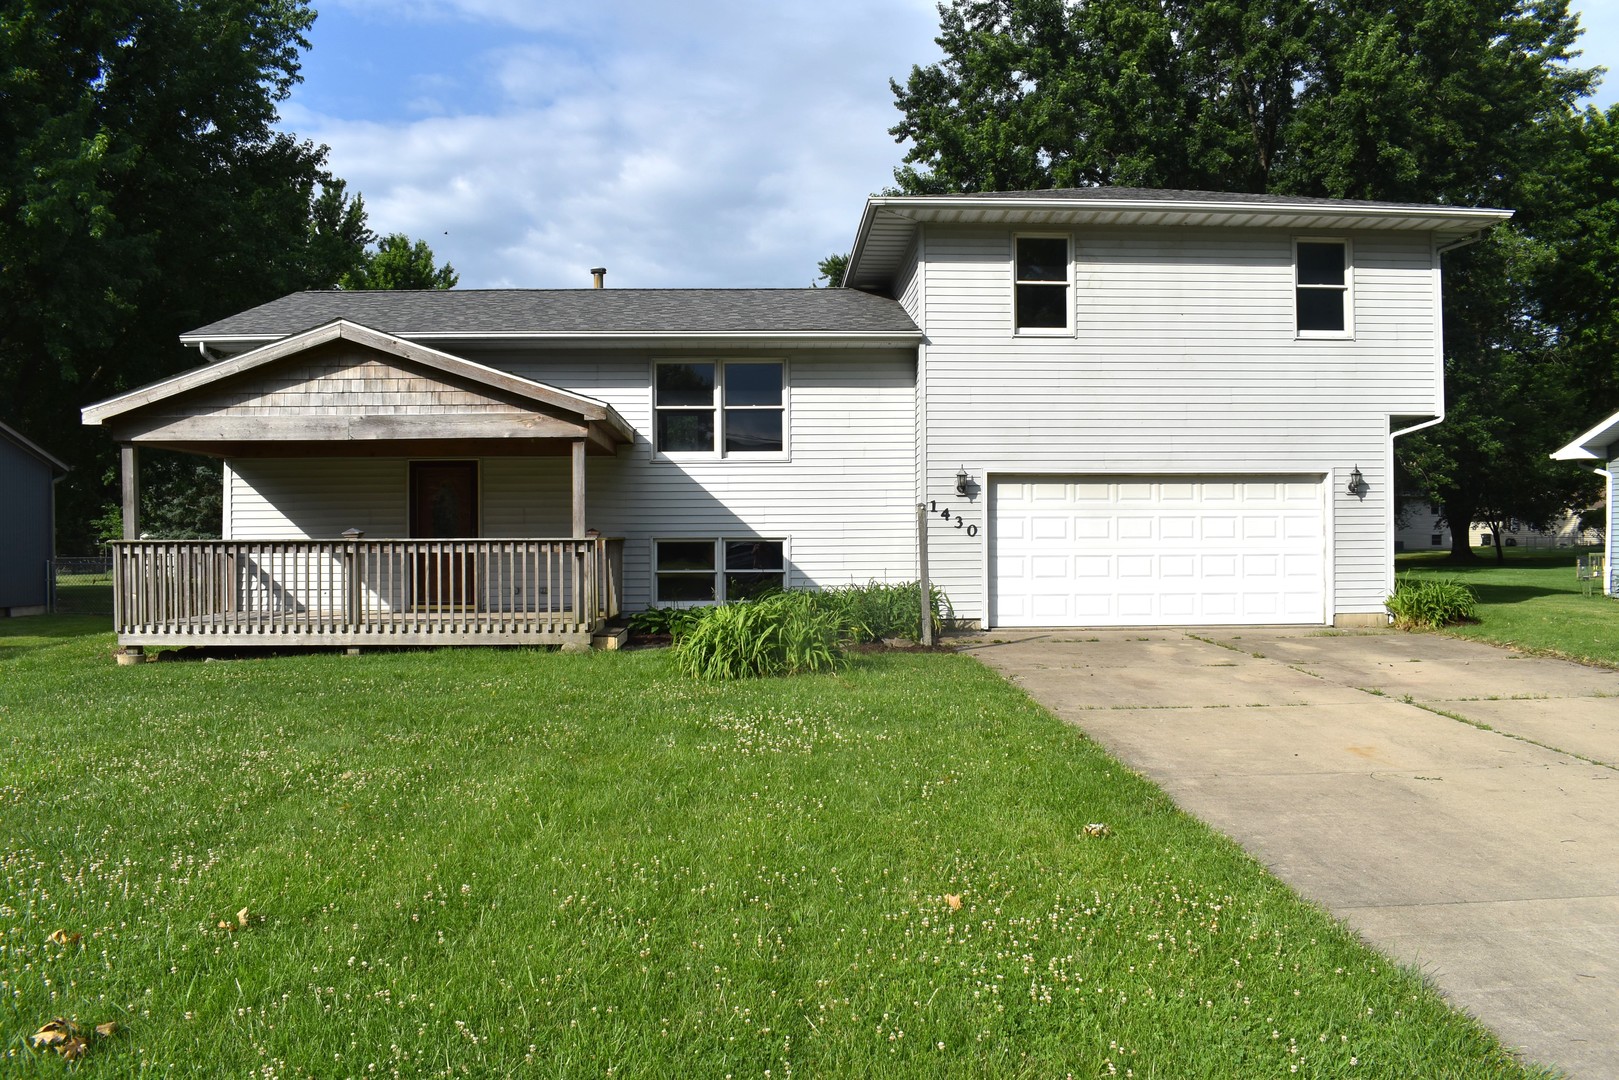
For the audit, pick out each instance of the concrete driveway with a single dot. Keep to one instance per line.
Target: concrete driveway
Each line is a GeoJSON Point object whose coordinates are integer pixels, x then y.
{"type": "Point", "coordinates": [1454, 803]}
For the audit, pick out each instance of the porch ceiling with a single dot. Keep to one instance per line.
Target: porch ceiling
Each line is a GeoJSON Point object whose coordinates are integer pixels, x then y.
{"type": "Point", "coordinates": [344, 389]}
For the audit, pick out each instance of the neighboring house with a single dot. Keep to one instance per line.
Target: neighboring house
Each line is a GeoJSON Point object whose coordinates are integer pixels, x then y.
{"type": "Point", "coordinates": [1420, 527]}
{"type": "Point", "coordinates": [1118, 407]}
{"type": "Point", "coordinates": [1598, 449]}
{"type": "Point", "coordinates": [28, 477]}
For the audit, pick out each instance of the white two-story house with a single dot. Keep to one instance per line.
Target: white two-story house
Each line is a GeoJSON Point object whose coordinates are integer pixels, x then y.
{"type": "Point", "coordinates": [1115, 407]}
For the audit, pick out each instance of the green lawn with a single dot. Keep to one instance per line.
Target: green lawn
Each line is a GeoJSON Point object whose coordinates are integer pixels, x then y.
{"type": "Point", "coordinates": [1533, 601]}
{"type": "Point", "coordinates": [513, 863]}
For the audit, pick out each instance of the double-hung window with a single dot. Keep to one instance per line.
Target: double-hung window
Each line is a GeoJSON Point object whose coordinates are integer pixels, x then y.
{"type": "Point", "coordinates": [1041, 303]}
{"type": "Point", "coordinates": [727, 407]}
{"type": "Point", "coordinates": [714, 571]}
{"type": "Point", "coordinates": [1322, 279]}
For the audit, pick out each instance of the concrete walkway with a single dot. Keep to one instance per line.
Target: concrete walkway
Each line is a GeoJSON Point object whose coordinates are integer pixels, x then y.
{"type": "Point", "coordinates": [1454, 803]}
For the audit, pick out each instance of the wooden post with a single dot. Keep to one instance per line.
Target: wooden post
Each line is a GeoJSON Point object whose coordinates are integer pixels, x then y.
{"type": "Point", "coordinates": [922, 572]}
{"type": "Point", "coordinates": [129, 465]}
{"type": "Point", "coordinates": [578, 489]}
{"type": "Point", "coordinates": [351, 580]}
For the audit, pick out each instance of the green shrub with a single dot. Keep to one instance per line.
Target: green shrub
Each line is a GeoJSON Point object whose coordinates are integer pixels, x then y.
{"type": "Point", "coordinates": [665, 620]}
{"type": "Point", "coordinates": [1430, 603]}
{"type": "Point", "coordinates": [879, 610]}
{"type": "Point", "coordinates": [787, 633]}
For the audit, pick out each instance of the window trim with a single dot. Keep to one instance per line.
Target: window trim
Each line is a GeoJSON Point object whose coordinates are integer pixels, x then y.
{"type": "Point", "coordinates": [1347, 290]}
{"type": "Point", "coordinates": [1069, 302]}
{"type": "Point", "coordinates": [718, 574]}
{"type": "Point", "coordinates": [718, 452]}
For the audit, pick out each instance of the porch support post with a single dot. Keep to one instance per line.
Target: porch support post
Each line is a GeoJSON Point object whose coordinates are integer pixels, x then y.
{"type": "Point", "coordinates": [578, 489]}
{"type": "Point", "coordinates": [129, 461]}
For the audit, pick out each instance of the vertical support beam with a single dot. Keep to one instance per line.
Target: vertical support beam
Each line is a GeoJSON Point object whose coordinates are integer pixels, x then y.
{"type": "Point", "coordinates": [129, 465]}
{"type": "Point", "coordinates": [922, 572]}
{"type": "Point", "coordinates": [578, 489]}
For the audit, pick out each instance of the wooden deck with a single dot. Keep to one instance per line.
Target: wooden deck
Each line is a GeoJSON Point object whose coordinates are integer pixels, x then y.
{"type": "Point", "coordinates": [364, 592]}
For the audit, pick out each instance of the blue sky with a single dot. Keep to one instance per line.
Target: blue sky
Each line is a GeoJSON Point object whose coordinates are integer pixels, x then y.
{"type": "Point", "coordinates": [530, 141]}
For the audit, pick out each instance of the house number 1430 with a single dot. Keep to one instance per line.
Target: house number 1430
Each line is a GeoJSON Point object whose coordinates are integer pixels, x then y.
{"type": "Point", "coordinates": [972, 530]}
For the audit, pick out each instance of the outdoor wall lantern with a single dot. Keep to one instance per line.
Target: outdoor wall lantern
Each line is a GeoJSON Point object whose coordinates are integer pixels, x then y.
{"type": "Point", "coordinates": [961, 481]}
{"type": "Point", "coordinates": [1357, 483]}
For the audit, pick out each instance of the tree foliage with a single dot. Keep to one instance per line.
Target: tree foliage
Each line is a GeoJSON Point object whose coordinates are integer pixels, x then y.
{"type": "Point", "coordinates": [143, 191]}
{"type": "Point", "coordinates": [1446, 101]}
{"type": "Point", "coordinates": [399, 263]}
{"type": "Point", "coordinates": [832, 269]}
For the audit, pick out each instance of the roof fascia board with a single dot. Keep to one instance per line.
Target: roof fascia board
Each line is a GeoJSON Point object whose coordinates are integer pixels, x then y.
{"type": "Point", "coordinates": [923, 206]}
{"type": "Point", "coordinates": [867, 216]}
{"type": "Point", "coordinates": [908, 339]}
{"type": "Point", "coordinates": [341, 329]}
{"type": "Point", "coordinates": [904, 337]}
{"type": "Point", "coordinates": [1604, 435]}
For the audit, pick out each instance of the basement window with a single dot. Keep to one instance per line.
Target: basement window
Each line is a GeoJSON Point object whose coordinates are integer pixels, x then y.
{"type": "Point", "coordinates": [717, 570]}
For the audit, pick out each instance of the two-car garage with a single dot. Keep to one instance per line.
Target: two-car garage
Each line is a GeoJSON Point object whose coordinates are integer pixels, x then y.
{"type": "Point", "coordinates": [1157, 550]}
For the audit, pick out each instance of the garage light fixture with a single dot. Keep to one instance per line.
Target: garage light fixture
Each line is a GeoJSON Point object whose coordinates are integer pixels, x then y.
{"type": "Point", "coordinates": [961, 480]}
{"type": "Point", "coordinates": [1357, 483]}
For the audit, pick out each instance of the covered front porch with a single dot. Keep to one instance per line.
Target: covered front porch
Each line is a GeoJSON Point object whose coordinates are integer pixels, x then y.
{"type": "Point", "coordinates": [330, 402]}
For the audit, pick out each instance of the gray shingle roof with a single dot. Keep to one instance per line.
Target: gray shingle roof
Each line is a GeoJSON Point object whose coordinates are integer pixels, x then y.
{"type": "Point", "coordinates": [604, 312]}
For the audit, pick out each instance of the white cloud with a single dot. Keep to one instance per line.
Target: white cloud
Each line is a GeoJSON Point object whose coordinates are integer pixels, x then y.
{"type": "Point", "coordinates": [528, 142]}
{"type": "Point", "coordinates": [731, 150]}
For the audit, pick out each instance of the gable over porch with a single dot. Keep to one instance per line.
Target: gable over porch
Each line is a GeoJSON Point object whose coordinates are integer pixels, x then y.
{"type": "Point", "coordinates": [343, 392]}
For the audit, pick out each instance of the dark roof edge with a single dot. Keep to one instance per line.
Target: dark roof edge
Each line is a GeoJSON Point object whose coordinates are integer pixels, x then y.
{"type": "Point", "coordinates": [28, 445]}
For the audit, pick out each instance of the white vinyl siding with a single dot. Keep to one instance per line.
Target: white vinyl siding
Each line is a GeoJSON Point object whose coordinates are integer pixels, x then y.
{"type": "Point", "coordinates": [315, 498]}
{"type": "Point", "coordinates": [1184, 359]}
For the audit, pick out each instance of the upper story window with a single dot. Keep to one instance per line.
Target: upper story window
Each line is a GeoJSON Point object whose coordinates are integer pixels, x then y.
{"type": "Point", "coordinates": [1040, 276]}
{"type": "Point", "coordinates": [720, 407]}
{"type": "Point", "coordinates": [1321, 270]}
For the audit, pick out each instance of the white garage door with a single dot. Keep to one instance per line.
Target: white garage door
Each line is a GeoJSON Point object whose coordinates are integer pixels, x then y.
{"type": "Point", "coordinates": [1157, 551]}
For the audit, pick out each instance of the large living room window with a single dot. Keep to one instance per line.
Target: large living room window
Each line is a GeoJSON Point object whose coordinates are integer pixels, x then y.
{"type": "Point", "coordinates": [1321, 271]}
{"type": "Point", "coordinates": [1040, 273]}
{"type": "Point", "coordinates": [720, 407]}
{"type": "Point", "coordinates": [715, 571]}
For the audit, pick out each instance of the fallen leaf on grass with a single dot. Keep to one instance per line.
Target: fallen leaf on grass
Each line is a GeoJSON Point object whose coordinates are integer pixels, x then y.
{"type": "Point", "coordinates": [55, 1033]}
{"type": "Point", "coordinates": [241, 917]}
{"type": "Point", "coordinates": [68, 1039]}
{"type": "Point", "coordinates": [62, 937]}
{"type": "Point", "coordinates": [1096, 828]}
{"type": "Point", "coordinates": [954, 900]}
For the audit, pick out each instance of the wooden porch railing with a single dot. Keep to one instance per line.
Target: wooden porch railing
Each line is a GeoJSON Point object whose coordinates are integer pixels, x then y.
{"type": "Point", "coordinates": [364, 592]}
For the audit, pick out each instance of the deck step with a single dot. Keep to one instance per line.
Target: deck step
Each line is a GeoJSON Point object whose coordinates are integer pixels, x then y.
{"type": "Point", "coordinates": [610, 639]}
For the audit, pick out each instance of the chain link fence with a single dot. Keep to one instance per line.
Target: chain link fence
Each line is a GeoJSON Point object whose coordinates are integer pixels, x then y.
{"type": "Point", "coordinates": [82, 586]}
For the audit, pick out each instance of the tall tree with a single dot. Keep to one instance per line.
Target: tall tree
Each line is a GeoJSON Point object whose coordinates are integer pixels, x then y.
{"type": "Point", "coordinates": [143, 191]}
{"type": "Point", "coordinates": [338, 236]}
{"type": "Point", "coordinates": [399, 263]}
{"type": "Point", "coordinates": [1450, 101]}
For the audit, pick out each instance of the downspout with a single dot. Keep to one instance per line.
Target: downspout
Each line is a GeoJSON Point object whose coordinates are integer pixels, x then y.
{"type": "Point", "coordinates": [202, 347]}
{"type": "Point", "coordinates": [1607, 536]}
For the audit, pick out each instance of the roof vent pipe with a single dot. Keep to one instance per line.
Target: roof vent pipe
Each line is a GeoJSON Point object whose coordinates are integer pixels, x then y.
{"type": "Point", "coordinates": [600, 274]}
